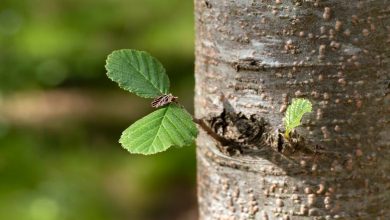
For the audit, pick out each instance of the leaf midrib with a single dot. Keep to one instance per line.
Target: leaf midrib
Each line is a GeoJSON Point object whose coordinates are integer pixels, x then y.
{"type": "Point", "coordinates": [161, 125]}
{"type": "Point", "coordinates": [137, 70]}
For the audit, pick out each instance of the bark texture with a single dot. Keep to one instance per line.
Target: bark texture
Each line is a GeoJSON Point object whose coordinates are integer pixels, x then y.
{"type": "Point", "coordinates": [252, 58]}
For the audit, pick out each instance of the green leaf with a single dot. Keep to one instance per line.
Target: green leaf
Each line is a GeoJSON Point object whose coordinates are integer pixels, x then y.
{"type": "Point", "coordinates": [137, 72]}
{"type": "Point", "coordinates": [169, 126]}
{"type": "Point", "coordinates": [294, 114]}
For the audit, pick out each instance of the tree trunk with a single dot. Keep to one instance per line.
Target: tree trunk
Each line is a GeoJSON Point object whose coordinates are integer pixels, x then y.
{"type": "Point", "coordinates": [252, 58]}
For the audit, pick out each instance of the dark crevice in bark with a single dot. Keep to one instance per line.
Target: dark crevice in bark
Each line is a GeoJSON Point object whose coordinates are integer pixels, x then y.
{"type": "Point", "coordinates": [237, 134]}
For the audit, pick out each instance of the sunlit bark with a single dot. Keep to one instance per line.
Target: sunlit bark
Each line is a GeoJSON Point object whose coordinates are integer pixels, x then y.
{"type": "Point", "coordinates": [252, 58]}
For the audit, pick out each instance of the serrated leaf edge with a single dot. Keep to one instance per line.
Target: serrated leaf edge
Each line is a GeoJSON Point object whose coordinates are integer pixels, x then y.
{"type": "Point", "coordinates": [121, 83]}
{"type": "Point", "coordinates": [167, 147]}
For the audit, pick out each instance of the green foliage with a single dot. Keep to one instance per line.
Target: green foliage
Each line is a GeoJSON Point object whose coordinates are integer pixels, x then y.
{"type": "Point", "coordinates": [156, 132]}
{"type": "Point", "coordinates": [294, 114]}
{"type": "Point", "coordinates": [137, 72]}
{"type": "Point", "coordinates": [58, 54]}
{"type": "Point", "coordinates": [142, 74]}
{"type": "Point", "coordinates": [78, 34]}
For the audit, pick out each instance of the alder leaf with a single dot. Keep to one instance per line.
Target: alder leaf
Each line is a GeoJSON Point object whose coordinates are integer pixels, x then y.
{"type": "Point", "coordinates": [294, 114]}
{"type": "Point", "coordinates": [137, 72]}
{"type": "Point", "coordinates": [168, 126]}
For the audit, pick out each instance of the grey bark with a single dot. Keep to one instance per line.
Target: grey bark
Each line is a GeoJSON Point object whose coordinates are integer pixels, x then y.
{"type": "Point", "coordinates": [252, 58]}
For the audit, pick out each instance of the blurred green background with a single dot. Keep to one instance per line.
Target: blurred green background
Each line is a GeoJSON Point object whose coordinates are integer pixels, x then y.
{"type": "Point", "coordinates": [60, 116]}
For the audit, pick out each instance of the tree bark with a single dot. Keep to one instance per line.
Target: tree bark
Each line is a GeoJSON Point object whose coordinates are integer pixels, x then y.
{"type": "Point", "coordinates": [252, 58]}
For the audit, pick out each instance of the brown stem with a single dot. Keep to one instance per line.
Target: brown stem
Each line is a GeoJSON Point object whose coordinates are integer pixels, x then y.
{"type": "Point", "coordinates": [210, 132]}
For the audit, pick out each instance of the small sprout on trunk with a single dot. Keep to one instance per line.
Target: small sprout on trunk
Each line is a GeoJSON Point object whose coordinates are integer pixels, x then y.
{"type": "Point", "coordinates": [294, 114]}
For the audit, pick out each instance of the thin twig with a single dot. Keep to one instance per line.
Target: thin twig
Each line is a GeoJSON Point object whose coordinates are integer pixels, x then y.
{"type": "Point", "coordinates": [210, 132]}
